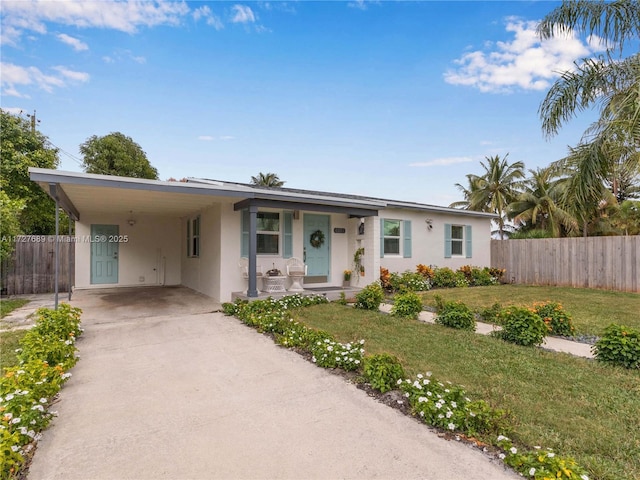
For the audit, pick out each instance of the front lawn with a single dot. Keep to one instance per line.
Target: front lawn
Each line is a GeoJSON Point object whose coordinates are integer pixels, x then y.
{"type": "Point", "coordinates": [592, 310]}
{"type": "Point", "coordinates": [578, 407]}
{"type": "Point", "coordinates": [8, 306]}
{"type": "Point", "coordinates": [9, 341]}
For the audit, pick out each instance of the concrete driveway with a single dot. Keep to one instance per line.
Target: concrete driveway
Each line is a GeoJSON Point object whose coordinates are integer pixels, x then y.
{"type": "Point", "coordinates": [167, 388]}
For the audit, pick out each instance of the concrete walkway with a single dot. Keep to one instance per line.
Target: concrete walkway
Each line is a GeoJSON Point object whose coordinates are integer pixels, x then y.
{"type": "Point", "coordinates": [550, 343]}
{"type": "Point", "coordinates": [169, 389]}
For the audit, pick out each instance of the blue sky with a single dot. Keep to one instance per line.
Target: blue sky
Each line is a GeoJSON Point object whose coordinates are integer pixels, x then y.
{"type": "Point", "coordinates": [390, 99]}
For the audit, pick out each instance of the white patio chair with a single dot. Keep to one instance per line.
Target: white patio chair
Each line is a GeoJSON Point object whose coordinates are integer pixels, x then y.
{"type": "Point", "coordinates": [296, 270]}
{"type": "Point", "coordinates": [243, 264]}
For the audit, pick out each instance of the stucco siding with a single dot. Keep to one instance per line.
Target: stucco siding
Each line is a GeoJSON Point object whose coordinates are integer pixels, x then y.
{"type": "Point", "coordinates": [149, 256]}
{"type": "Point", "coordinates": [428, 244]}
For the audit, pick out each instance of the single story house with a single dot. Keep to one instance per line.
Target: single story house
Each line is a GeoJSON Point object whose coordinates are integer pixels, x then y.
{"type": "Point", "coordinates": [136, 232]}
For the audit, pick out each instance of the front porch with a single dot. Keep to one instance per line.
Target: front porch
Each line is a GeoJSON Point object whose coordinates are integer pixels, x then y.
{"type": "Point", "coordinates": [332, 293]}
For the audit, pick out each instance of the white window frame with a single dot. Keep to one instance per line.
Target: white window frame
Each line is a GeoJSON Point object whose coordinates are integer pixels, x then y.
{"type": "Point", "coordinates": [277, 233]}
{"type": "Point", "coordinates": [193, 236]}
{"type": "Point", "coordinates": [398, 237]}
{"type": "Point", "coordinates": [455, 240]}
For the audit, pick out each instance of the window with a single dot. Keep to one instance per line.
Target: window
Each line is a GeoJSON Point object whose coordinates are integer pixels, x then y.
{"type": "Point", "coordinates": [457, 239]}
{"type": "Point", "coordinates": [268, 233]}
{"type": "Point", "coordinates": [193, 237]}
{"type": "Point", "coordinates": [391, 233]}
{"type": "Point", "coordinates": [395, 237]}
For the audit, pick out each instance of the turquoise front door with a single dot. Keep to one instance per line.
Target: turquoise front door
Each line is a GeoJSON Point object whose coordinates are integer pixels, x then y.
{"type": "Point", "coordinates": [317, 258]}
{"type": "Point", "coordinates": [104, 254]}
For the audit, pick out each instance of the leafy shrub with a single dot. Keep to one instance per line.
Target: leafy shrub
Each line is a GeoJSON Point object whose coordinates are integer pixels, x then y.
{"type": "Point", "coordinates": [619, 345]}
{"type": "Point", "coordinates": [385, 276]}
{"type": "Point", "coordinates": [370, 297]}
{"type": "Point", "coordinates": [383, 371]}
{"type": "Point", "coordinates": [446, 278]}
{"type": "Point", "coordinates": [456, 315]}
{"type": "Point", "coordinates": [425, 271]}
{"type": "Point", "coordinates": [557, 320]}
{"type": "Point", "coordinates": [497, 273]}
{"type": "Point", "coordinates": [521, 326]}
{"type": "Point", "coordinates": [481, 277]}
{"type": "Point", "coordinates": [408, 282]}
{"type": "Point", "coordinates": [491, 314]}
{"type": "Point", "coordinates": [407, 305]}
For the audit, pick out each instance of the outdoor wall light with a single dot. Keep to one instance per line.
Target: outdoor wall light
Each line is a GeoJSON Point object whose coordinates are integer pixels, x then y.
{"type": "Point", "coordinates": [429, 223]}
{"type": "Point", "coordinates": [131, 222]}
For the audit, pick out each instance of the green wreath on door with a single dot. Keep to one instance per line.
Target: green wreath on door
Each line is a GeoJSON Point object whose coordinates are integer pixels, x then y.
{"type": "Point", "coordinates": [317, 239]}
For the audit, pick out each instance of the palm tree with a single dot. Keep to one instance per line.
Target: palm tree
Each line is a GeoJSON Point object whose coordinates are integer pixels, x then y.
{"type": "Point", "coordinates": [267, 180]}
{"type": "Point", "coordinates": [468, 193]}
{"type": "Point", "coordinates": [496, 188]}
{"type": "Point", "coordinates": [538, 206]}
{"type": "Point", "coordinates": [609, 82]}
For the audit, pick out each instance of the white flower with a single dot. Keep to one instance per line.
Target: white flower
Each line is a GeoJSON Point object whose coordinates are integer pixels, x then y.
{"type": "Point", "coordinates": [15, 420]}
{"type": "Point", "coordinates": [502, 437]}
{"type": "Point", "coordinates": [43, 400]}
{"type": "Point", "coordinates": [426, 381]}
{"type": "Point", "coordinates": [9, 396]}
{"type": "Point", "coordinates": [532, 472]}
{"type": "Point", "coordinates": [454, 404]}
{"type": "Point", "coordinates": [449, 414]}
{"type": "Point", "coordinates": [399, 382]}
{"type": "Point", "coordinates": [14, 448]}
{"type": "Point", "coordinates": [451, 426]}
{"type": "Point", "coordinates": [501, 456]}
{"type": "Point", "coordinates": [406, 394]}
{"type": "Point", "coordinates": [421, 414]}
{"type": "Point", "coordinates": [38, 407]}
{"type": "Point", "coordinates": [584, 477]}
{"type": "Point", "coordinates": [428, 374]}
{"type": "Point", "coordinates": [537, 447]}
{"type": "Point", "coordinates": [551, 454]}
{"type": "Point", "coordinates": [513, 450]}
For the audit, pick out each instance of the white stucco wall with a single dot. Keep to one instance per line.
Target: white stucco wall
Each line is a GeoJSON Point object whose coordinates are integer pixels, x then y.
{"type": "Point", "coordinates": [150, 256]}
{"type": "Point", "coordinates": [428, 244]}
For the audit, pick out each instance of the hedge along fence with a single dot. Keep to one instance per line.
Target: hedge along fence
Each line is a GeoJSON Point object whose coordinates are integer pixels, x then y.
{"type": "Point", "coordinates": [26, 390]}
{"type": "Point", "coordinates": [611, 263]}
{"type": "Point", "coordinates": [439, 404]}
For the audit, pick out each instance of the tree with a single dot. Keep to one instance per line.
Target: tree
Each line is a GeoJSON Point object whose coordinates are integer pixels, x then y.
{"type": "Point", "coordinates": [609, 82]}
{"type": "Point", "coordinates": [539, 205]}
{"type": "Point", "coordinates": [495, 189]}
{"type": "Point", "coordinates": [116, 154]}
{"type": "Point", "coordinates": [9, 224]}
{"type": "Point", "coordinates": [23, 147]}
{"type": "Point", "coordinates": [267, 180]}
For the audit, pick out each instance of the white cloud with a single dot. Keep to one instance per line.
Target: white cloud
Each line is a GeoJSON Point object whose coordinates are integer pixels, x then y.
{"type": "Point", "coordinates": [243, 14]}
{"type": "Point", "coordinates": [524, 62]}
{"type": "Point", "coordinates": [77, 44]}
{"type": "Point", "coordinates": [440, 162]}
{"type": "Point", "coordinates": [206, 138]}
{"type": "Point", "coordinates": [14, 76]}
{"type": "Point", "coordinates": [209, 17]}
{"type": "Point", "coordinates": [127, 15]}
{"type": "Point", "coordinates": [123, 55]}
{"type": "Point", "coordinates": [211, 138]}
{"type": "Point", "coordinates": [13, 110]}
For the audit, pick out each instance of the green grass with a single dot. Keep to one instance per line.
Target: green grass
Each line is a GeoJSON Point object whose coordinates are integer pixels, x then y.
{"type": "Point", "coordinates": [9, 341]}
{"type": "Point", "coordinates": [8, 306]}
{"type": "Point", "coordinates": [592, 310]}
{"type": "Point", "coordinates": [576, 406]}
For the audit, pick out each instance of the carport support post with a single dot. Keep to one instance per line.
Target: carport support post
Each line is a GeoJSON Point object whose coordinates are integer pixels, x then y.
{"type": "Point", "coordinates": [57, 250]}
{"type": "Point", "coordinates": [69, 264]}
{"type": "Point", "coordinates": [252, 290]}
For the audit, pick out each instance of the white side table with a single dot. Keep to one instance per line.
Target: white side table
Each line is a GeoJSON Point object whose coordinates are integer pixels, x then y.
{"type": "Point", "coordinates": [275, 284]}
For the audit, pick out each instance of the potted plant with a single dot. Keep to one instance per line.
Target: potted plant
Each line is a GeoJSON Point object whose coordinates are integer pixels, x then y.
{"type": "Point", "coordinates": [347, 278]}
{"type": "Point", "coordinates": [357, 261]}
{"type": "Point", "coordinates": [274, 272]}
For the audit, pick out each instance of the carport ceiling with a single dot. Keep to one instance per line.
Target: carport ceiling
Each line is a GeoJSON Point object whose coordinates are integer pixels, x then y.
{"type": "Point", "coordinates": [104, 200]}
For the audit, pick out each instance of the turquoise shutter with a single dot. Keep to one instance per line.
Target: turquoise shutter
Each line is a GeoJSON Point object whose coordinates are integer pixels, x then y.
{"type": "Point", "coordinates": [447, 240]}
{"type": "Point", "coordinates": [381, 237]}
{"type": "Point", "coordinates": [244, 235]}
{"type": "Point", "coordinates": [188, 237]}
{"type": "Point", "coordinates": [406, 251]}
{"type": "Point", "coordinates": [468, 241]}
{"type": "Point", "coordinates": [287, 243]}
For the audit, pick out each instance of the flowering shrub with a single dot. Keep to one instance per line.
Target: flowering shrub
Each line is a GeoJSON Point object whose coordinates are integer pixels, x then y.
{"type": "Point", "coordinates": [491, 314]}
{"type": "Point", "coordinates": [540, 464]}
{"type": "Point", "coordinates": [26, 390]}
{"type": "Point", "coordinates": [521, 326]}
{"type": "Point", "coordinates": [557, 320]}
{"type": "Point", "coordinates": [447, 406]}
{"type": "Point", "coordinates": [408, 282]}
{"type": "Point", "coordinates": [407, 305]}
{"type": "Point", "coordinates": [383, 371]}
{"type": "Point", "coordinates": [370, 297]}
{"type": "Point", "coordinates": [619, 345]}
{"type": "Point", "coordinates": [385, 276]}
{"type": "Point", "coordinates": [497, 273]}
{"type": "Point", "coordinates": [331, 354]}
{"type": "Point", "coordinates": [455, 315]}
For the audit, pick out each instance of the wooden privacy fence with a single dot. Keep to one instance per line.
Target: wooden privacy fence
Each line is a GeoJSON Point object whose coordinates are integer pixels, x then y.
{"type": "Point", "coordinates": [611, 263]}
{"type": "Point", "coordinates": [31, 268]}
